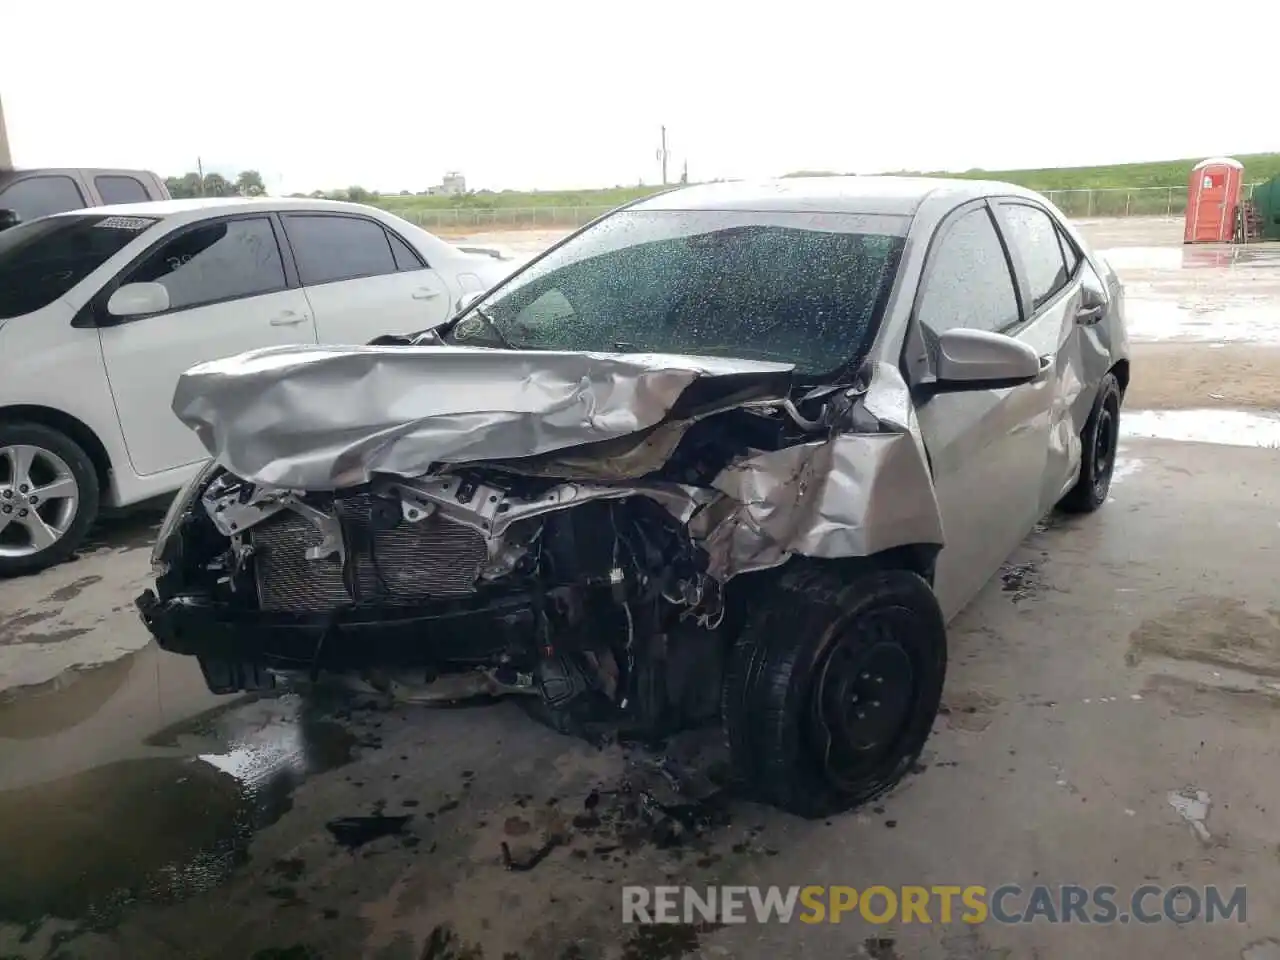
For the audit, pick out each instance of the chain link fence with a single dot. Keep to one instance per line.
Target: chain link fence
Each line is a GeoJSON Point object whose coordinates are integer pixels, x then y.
{"type": "Point", "coordinates": [1130, 202]}
{"type": "Point", "coordinates": [1119, 202]}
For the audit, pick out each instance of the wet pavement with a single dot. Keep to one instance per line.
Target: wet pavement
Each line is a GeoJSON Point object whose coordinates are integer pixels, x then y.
{"type": "Point", "coordinates": [1116, 660]}
{"type": "Point", "coordinates": [1111, 714]}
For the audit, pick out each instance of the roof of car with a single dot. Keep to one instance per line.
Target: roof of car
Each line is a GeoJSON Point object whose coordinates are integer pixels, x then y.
{"type": "Point", "coordinates": [876, 195]}
{"type": "Point", "coordinates": [215, 205]}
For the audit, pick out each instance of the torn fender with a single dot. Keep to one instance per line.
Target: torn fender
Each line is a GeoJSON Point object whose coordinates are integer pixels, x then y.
{"type": "Point", "coordinates": [853, 495]}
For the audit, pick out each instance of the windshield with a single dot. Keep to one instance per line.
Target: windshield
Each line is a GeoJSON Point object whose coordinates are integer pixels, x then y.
{"type": "Point", "coordinates": [805, 288]}
{"type": "Point", "coordinates": [42, 260]}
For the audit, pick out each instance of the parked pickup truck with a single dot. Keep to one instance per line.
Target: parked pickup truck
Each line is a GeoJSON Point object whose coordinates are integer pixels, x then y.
{"type": "Point", "coordinates": [28, 194]}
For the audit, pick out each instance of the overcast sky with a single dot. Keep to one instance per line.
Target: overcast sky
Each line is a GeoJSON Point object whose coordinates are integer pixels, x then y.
{"type": "Point", "coordinates": [559, 93]}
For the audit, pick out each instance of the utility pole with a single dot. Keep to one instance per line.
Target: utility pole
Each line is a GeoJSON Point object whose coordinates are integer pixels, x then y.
{"type": "Point", "coordinates": [6, 158]}
{"type": "Point", "coordinates": [200, 174]}
{"type": "Point", "coordinates": [663, 154]}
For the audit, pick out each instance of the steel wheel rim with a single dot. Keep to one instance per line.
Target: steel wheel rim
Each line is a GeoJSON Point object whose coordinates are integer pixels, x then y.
{"type": "Point", "coordinates": [864, 697]}
{"type": "Point", "coordinates": [39, 499]}
{"type": "Point", "coordinates": [1104, 450]}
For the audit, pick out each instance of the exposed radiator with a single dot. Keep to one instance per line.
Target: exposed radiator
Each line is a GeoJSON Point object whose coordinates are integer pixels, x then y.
{"type": "Point", "coordinates": [434, 558]}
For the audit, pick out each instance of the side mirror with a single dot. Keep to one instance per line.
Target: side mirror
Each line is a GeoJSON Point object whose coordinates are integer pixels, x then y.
{"type": "Point", "coordinates": [979, 359]}
{"type": "Point", "coordinates": [138, 300]}
{"type": "Point", "coordinates": [9, 218]}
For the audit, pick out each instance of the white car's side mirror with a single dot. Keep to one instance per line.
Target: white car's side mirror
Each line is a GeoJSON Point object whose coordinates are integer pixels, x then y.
{"type": "Point", "coordinates": [979, 358]}
{"type": "Point", "coordinates": [138, 300]}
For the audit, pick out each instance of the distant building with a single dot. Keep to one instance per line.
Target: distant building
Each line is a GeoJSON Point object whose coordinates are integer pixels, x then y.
{"type": "Point", "coordinates": [454, 184]}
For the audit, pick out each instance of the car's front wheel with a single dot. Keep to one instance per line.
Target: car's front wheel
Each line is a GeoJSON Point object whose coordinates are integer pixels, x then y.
{"type": "Point", "coordinates": [48, 497]}
{"type": "Point", "coordinates": [833, 687]}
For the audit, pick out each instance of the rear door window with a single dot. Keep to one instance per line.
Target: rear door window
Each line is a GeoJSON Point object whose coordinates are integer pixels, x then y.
{"type": "Point", "coordinates": [406, 258]}
{"type": "Point", "coordinates": [1069, 252]}
{"type": "Point", "coordinates": [42, 260]}
{"type": "Point", "coordinates": [333, 248]}
{"type": "Point", "coordinates": [1034, 237]}
{"type": "Point", "coordinates": [39, 196]}
{"type": "Point", "coordinates": [118, 188]}
{"type": "Point", "coordinates": [222, 260]}
{"type": "Point", "coordinates": [967, 281]}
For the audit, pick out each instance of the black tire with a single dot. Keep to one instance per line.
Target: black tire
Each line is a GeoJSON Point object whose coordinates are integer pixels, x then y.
{"type": "Point", "coordinates": [1098, 443]}
{"type": "Point", "coordinates": [86, 511]}
{"type": "Point", "coordinates": [808, 654]}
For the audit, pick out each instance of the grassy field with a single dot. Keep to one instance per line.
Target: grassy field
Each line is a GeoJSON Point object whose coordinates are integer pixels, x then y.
{"type": "Point", "coordinates": [1163, 173]}
{"type": "Point", "coordinates": [1124, 189]}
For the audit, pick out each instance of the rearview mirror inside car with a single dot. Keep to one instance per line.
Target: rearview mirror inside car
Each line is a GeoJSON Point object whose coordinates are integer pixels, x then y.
{"type": "Point", "coordinates": [138, 300]}
{"type": "Point", "coordinates": [979, 358]}
{"type": "Point", "coordinates": [9, 218]}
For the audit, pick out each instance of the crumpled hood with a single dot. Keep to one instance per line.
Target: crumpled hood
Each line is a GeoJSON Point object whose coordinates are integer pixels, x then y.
{"type": "Point", "coordinates": [325, 417]}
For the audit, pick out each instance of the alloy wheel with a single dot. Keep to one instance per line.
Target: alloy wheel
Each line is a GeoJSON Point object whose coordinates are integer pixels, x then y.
{"type": "Point", "coordinates": [39, 499]}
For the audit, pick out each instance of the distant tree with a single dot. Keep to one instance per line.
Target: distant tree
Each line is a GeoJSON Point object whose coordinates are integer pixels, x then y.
{"type": "Point", "coordinates": [187, 185]}
{"type": "Point", "coordinates": [249, 184]}
{"type": "Point", "coordinates": [216, 185]}
{"type": "Point", "coordinates": [357, 194]}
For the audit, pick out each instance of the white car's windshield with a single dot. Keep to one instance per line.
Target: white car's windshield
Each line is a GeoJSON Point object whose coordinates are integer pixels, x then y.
{"type": "Point", "coordinates": [806, 289]}
{"type": "Point", "coordinates": [42, 260]}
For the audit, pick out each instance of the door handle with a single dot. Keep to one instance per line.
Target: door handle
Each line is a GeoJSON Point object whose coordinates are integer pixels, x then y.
{"type": "Point", "coordinates": [425, 293]}
{"type": "Point", "coordinates": [1088, 316]}
{"type": "Point", "coordinates": [289, 318]}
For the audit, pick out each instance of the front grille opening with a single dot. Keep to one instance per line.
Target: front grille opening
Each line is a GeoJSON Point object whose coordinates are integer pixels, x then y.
{"type": "Point", "coordinates": [432, 559]}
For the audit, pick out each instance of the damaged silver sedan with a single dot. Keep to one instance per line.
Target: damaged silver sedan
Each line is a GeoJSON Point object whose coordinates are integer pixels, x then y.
{"type": "Point", "coordinates": [731, 454]}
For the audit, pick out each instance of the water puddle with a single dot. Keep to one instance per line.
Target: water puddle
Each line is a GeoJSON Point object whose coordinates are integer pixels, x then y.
{"type": "Point", "coordinates": [1201, 318]}
{"type": "Point", "coordinates": [132, 782]}
{"type": "Point", "coordinates": [1236, 428]}
{"type": "Point", "coordinates": [1193, 257]}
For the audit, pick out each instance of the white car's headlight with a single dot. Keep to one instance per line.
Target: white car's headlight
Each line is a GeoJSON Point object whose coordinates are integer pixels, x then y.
{"type": "Point", "coordinates": [190, 490]}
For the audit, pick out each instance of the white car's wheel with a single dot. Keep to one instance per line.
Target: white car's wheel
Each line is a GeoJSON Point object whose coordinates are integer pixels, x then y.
{"type": "Point", "coordinates": [48, 497]}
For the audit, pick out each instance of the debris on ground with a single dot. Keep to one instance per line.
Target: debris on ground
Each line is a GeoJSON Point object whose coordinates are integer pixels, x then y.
{"type": "Point", "coordinates": [1193, 806]}
{"type": "Point", "coordinates": [355, 832]}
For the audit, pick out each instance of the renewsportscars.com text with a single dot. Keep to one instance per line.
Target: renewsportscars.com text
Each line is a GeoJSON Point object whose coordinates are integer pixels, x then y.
{"type": "Point", "coordinates": [1009, 903]}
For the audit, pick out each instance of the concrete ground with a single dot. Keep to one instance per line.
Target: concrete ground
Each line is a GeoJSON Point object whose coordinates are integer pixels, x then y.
{"type": "Point", "coordinates": [1120, 663]}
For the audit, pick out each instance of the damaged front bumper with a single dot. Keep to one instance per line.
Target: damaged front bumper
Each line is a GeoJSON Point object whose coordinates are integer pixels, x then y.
{"type": "Point", "coordinates": [459, 634]}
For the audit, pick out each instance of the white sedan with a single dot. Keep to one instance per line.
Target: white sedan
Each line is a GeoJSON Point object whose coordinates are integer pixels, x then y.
{"type": "Point", "coordinates": [102, 309]}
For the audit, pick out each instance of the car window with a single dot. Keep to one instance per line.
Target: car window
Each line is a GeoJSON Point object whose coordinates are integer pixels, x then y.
{"type": "Point", "coordinates": [1033, 234]}
{"type": "Point", "coordinates": [1069, 252]}
{"type": "Point", "coordinates": [406, 258]}
{"type": "Point", "coordinates": [215, 261]}
{"type": "Point", "coordinates": [33, 197]}
{"type": "Point", "coordinates": [967, 280]}
{"type": "Point", "coordinates": [42, 260]}
{"type": "Point", "coordinates": [330, 248]}
{"type": "Point", "coordinates": [806, 290]}
{"type": "Point", "coordinates": [120, 189]}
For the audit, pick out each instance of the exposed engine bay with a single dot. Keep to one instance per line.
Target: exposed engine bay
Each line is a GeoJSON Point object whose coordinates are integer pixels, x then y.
{"type": "Point", "coordinates": [599, 600]}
